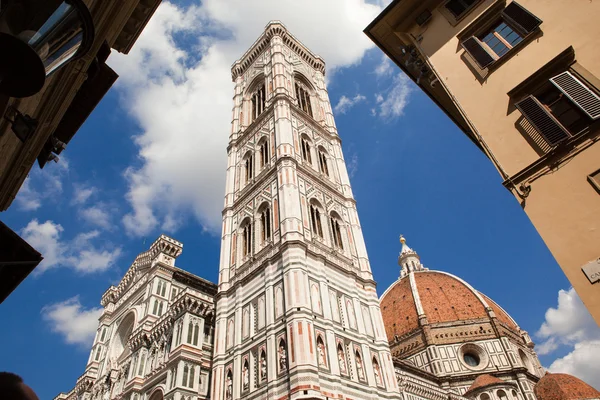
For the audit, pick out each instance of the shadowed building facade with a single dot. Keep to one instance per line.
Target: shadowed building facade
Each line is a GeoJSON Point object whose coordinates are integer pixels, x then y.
{"type": "Point", "coordinates": [520, 79]}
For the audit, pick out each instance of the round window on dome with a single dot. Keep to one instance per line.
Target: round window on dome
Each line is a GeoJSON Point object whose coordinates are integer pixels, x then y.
{"type": "Point", "coordinates": [471, 359]}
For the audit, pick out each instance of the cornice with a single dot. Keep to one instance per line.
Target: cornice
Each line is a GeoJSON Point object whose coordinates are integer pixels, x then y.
{"type": "Point", "coordinates": [275, 28]}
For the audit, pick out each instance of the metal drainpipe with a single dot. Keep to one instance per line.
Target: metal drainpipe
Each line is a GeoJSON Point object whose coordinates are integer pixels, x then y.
{"type": "Point", "coordinates": [478, 136]}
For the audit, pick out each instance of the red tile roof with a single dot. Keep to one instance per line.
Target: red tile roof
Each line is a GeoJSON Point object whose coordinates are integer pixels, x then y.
{"type": "Point", "coordinates": [483, 381]}
{"type": "Point", "coordinates": [564, 387]}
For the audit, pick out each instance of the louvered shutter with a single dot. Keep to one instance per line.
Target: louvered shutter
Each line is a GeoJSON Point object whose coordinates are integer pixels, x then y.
{"type": "Point", "coordinates": [479, 53]}
{"type": "Point", "coordinates": [578, 93]}
{"type": "Point", "coordinates": [520, 18]}
{"type": "Point", "coordinates": [542, 120]}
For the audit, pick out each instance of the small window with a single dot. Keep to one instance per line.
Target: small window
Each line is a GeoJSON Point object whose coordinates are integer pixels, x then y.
{"type": "Point", "coordinates": [336, 232]}
{"type": "Point", "coordinates": [248, 168]}
{"type": "Point", "coordinates": [247, 239]}
{"type": "Point", "coordinates": [196, 334]}
{"type": "Point", "coordinates": [502, 395]}
{"type": "Point", "coordinates": [173, 293]}
{"type": "Point", "coordinates": [190, 332]}
{"type": "Point", "coordinates": [306, 151]}
{"type": "Point", "coordinates": [594, 180]}
{"type": "Point", "coordinates": [303, 98]}
{"type": "Point", "coordinates": [514, 25]}
{"type": "Point", "coordinates": [471, 359]}
{"type": "Point", "coordinates": [264, 153]}
{"type": "Point", "coordinates": [103, 336]}
{"type": "Point", "coordinates": [562, 107]}
{"type": "Point", "coordinates": [458, 8]}
{"type": "Point", "coordinates": [98, 352]}
{"type": "Point", "coordinates": [258, 102]}
{"type": "Point", "coordinates": [315, 220]}
{"type": "Point", "coordinates": [323, 162]}
{"type": "Point", "coordinates": [265, 224]}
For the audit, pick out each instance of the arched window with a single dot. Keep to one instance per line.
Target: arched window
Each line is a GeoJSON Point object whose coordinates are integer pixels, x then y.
{"type": "Point", "coordinates": [246, 238]}
{"type": "Point", "coordinates": [264, 153]}
{"type": "Point", "coordinates": [305, 148]}
{"type": "Point", "coordinates": [525, 360]}
{"type": "Point", "coordinates": [186, 372]}
{"type": "Point", "coordinates": [258, 101]}
{"type": "Point", "coordinates": [303, 98]}
{"type": "Point", "coordinates": [190, 332]}
{"type": "Point", "coordinates": [315, 220]}
{"type": "Point", "coordinates": [501, 395]}
{"type": "Point", "coordinates": [484, 396]}
{"type": "Point", "coordinates": [323, 162]}
{"type": "Point", "coordinates": [248, 168]}
{"type": "Point", "coordinates": [265, 223]}
{"type": "Point", "coordinates": [196, 334]}
{"type": "Point", "coordinates": [336, 231]}
{"type": "Point", "coordinates": [514, 395]}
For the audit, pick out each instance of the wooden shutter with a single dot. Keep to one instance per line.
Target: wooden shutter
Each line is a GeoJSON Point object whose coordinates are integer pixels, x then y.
{"type": "Point", "coordinates": [479, 53]}
{"type": "Point", "coordinates": [521, 18]}
{"type": "Point", "coordinates": [578, 93]}
{"type": "Point", "coordinates": [542, 120]}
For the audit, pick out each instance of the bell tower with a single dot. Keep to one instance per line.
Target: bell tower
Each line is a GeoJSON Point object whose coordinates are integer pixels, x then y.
{"type": "Point", "coordinates": [297, 310]}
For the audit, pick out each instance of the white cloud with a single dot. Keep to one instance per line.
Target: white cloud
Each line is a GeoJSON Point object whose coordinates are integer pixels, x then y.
{"type": "Point", "coordinates": [384, 68]}
{"type": "Point", "coordinates": [571, 325]}
{"type": "Point", "coordinates": [82, 194]}
{"type": "Point", "coordinates": [393, 101]}
{"type": "Point", "coordinates": [42, 184]}
{"type": "Point", "coordinates": [345, 103]}
{"type": "Point", "coordinates": [181, 95]}
{"type": "Point", "coordinates": [71, 320]}
{"type": "Point", "coordinates": [80, 253]}
{"type": "Point", "coordinates": [96, 215]}
{"type": "Point", "coordinates": [352, 165]}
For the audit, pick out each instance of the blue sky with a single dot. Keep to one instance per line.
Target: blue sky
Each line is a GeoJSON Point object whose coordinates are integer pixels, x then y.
{"type": "Point", "coordinates": [151, 160]}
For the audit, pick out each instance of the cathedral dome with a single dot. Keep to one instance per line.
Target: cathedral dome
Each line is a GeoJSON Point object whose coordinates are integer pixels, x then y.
{"type": "Point", "coordinates": [436, 296]}
{"type": "Point", "coordinates": [564, 387]}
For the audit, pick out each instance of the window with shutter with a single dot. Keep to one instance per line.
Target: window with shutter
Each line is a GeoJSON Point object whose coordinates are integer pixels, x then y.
{"type": "Point", "coordinates": [513, 25]}
{"type": "Point", "coordinates": [476, 50]}
{"type": "Point", "coordinates": [519, 17]}
{"type": "Point", "coordinates": [578, 93]}
{"type": "Point", "coordinates": [542, 120]}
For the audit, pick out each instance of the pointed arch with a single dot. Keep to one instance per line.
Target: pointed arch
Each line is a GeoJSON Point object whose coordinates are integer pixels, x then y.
{"type": "Point", "coordinates": [282, 356]}
{"type": "Point", "coordinates": [246, 375]}
{"type": "Point", "coordinates": [264, 216]}
{"type": "Point", "coordinates": [278, 301]}
{"type": "Point", "coordinates": [306, 148]}
{"type": "Point", "coordinates": [360, 368]}
{"type": "Point", "coordinates": [257, 96]}
{"type": "Point", "coordinates": [377, 372]}
{"type": "Point", "coordinates": [323, 160]}
{"type": "Point", "coordinates": [342, 359]}
{"type": "Point", "coordinates": [336, 224]}
{"type": "Point", "coordinates": [246, 236]}
{"type": "Point", "coordinates": [316, 211]}
{"type": "Point", "coordinates": [315, 296]}
{"type": "Point", "coordinates": [261, 312]}
{"type": "Point", "coordinates": [303, 90]}
{"type": "Point", "coordinates": [229, 385]}
{"type": "Point", "coordinates": [263, 152]}
{"type": "Point", "coordinates": [230, 332]}
{"type": "Point", "coordinates": [321, 352]}
{"type": "Point", "coordinates": [263, 366]}
{"type": "Point", "coordinates": [351, 314]}
{"type": "Point", "coordinates": [245, 322]}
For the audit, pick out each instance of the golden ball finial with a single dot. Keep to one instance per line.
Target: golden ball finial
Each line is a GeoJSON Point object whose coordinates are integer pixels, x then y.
{"type": "Point", "coordinates": [402, 240]}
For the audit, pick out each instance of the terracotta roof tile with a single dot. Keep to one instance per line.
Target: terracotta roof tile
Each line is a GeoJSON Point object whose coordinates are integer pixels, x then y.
{"type": "Point", "coordinates": [398, 309]}
{"type": "Point", "coordinates": [564, 387]}
{"type": "Point", "coordinates": [483, 381]}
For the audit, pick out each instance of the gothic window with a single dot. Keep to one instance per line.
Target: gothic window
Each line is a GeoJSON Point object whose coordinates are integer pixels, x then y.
{"type": "Point", "coordinates": [173, 377]}
{"type": "Point", "coordinates": [377, 372]}
{"type": "Point", "coordinates": [484, 396]}
{"type": "Point", "coordinates": [258, 101]}
{"type": "Point", "coordinates": [246, 238]}
{"type": "Point", "coordinates": [161, 288]}
{"type": "Point", "coordinates": [160, 308]}
{"type": "Point", "coordinates": [142, 364]}
{"type": "Point", "coordinates": [155, 309]}
{"type": "Point", "coordinates": [103, 335]}
{"type": "Point", "coordinates": [207, 331]}
{"type": "Point", "coordinates": [305, 144]}
{"type": "Point", "coordinates": [245, 323]}
{"type": "Point", "coordinates": [98, 352]}
{"type": "Point", "coordinates": [336, 231]}
{"type": "Point", "coordinates": [502, 395]}
{"type": "Point", "coordinates": [248, 168]}
{"type": "Point", "coordinates": [173, 293]}
{"type": "Point", "coordinates": [321, 352]}
{"type": "Point", "coordinates": [315, 220]}
{"type": "Point", "coordinates": [190, 332]}
{"type": "Point", "coordinates": [196, 334]}
{"type": "Point", "coordinates": [186, 373]}
{"type": "Point", "coordinates": [264, 153]}
{"type": "Point", "coordinates": [265, 223]}
{"type": "Point", "coordinates": [303, 98]}
{"type": "Point", "coordinates": [323, 162]}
